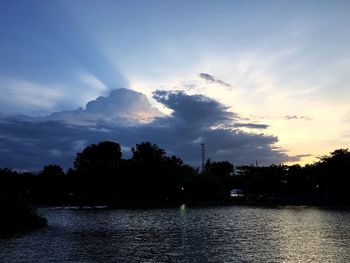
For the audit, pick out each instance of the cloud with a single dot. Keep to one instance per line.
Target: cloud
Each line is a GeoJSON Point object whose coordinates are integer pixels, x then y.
{"type": "Point", "coordinates": [251, 125]}
{"type": "Point", "coordinates": [18, 95]}
{"type": "Point", "coordinates": [296, 117]}
{"type": "Point", "coordinates": [284, 117]}
{"type": "Point", "coordinates": [211, 79]}
{"type": "Point", "coordinates": [122, 107]}
{"type": "Point", "coordinates": [207, 77]}
{"type": "Point", "coordinates": [303, 155]}
{"type": "Point", "coordinates": [194, 110]}
{"type": "Point", "coordinates": [30, 143]}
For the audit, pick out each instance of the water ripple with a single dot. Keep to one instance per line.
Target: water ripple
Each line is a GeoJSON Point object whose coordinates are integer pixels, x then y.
{"type": "Point", "coordinates": [219, 234]}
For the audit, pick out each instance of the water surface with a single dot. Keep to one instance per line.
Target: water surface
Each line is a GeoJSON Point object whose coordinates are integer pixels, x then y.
{"type": "Point", "coordinates": [216, 234]}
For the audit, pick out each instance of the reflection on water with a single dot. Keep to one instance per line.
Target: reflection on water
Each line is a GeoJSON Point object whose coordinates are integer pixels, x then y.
{"type": "Point", "coordinates": [219, 234]}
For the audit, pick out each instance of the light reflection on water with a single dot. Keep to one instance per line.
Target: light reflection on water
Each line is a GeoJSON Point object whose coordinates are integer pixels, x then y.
{"type": "Point", "coordinates": [217, 234]}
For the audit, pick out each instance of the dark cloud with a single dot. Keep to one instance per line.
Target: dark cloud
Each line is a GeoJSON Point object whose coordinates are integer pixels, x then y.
{"type": "Point", "coordinates": [251, 125]}
{"type": "Point", "coordinates": [212, 79]}
{"type": "Point", "coordinates": [303, 155]}
{"type": "Point", "coordinates": [30, 143]}
{"type": "Point", "coordinates": [207, 77]}
{"type": "Point", "coordinates": [194, 110]}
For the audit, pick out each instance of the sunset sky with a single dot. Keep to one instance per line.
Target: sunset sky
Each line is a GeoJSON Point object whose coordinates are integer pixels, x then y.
{"type": "Point", "coordinates": [254, 80]}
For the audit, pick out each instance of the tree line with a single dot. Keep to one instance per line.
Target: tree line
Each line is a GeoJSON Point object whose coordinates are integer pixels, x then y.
{"type": "Point", "coordinates": [101, 176]}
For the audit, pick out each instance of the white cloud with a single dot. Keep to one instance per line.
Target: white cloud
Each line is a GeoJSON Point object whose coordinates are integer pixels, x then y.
{"type": "Point", "coordinates": [28, 95]}
{"type": "Point", "coordinates": [122, 106]}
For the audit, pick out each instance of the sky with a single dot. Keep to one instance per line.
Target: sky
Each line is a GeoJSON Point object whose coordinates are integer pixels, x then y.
{"type": "Point", "coordinates": [262, 81]}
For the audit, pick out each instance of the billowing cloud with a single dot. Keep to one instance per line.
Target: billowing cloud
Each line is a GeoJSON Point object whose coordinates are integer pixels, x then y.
{"type": "Point", "coordinates": [211, 79]}
{"type": "Point", "coordinates": [30, 143]}
{"type": "Point", "coordinates": [122, 107]}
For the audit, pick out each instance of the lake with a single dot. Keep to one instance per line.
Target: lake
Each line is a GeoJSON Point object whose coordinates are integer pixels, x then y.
{"type": "Point", "coordinates": [215, 234]}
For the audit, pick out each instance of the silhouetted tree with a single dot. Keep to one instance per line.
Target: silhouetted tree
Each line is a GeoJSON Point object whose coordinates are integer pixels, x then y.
{"type": "Point", "coordinates": [334, 169]}
{"type": "Point", "coordinates": [222, 169]}
{"type": "Point", "coordinates": [148, 154]}
{"type": "Point", "coordinates": [99, 159]}
{"type": "Point", "coordinates": [150, 177]}
{"type": "Point", "coordinates": [149, 163]}
{"type": "Point", "coordinates": [52, 170]}
{"type": "Point", "coordinates": [17, 215]}
{"type": "Point", "coordinates": [97, 172]}
{"type": "Point", "coordinates": [263, 180]}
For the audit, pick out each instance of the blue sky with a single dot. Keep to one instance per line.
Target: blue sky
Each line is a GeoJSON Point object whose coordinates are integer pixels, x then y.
{"type": "Point", "coordinates": [286, 63]}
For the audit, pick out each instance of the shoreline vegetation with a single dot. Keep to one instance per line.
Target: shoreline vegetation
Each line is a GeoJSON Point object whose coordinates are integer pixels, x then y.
{"type": "Point", "coordinates": [151, 179]}
{"type": "Point", "coordinates": [18, 216]}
